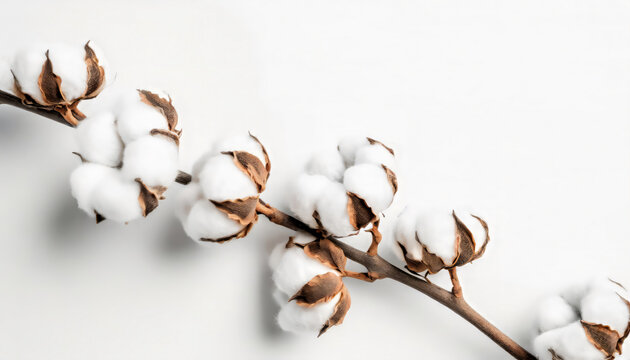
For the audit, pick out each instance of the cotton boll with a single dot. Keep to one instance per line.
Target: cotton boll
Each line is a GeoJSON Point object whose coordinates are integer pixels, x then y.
{"type": "Point", "coordinates": [27, 66]}
{"type": "Point", "coordinates": [607, 308]}
{"type": "Point", "coordinates": [205, 221]}
{"type": "Point", "coordinates": [332, 207]}
{"type": "Point", "coordinates": [370, 182]}
{"type": "Point", "coordinates": [221, 180]}
{"type": "Point", "coordinates": [295, 269]}
{"type": "Point", "coordinates": [152, 158]}
{"type": "Point", "coordinates": [328, 163]}
{"type": "Point", "coordinates": [279, 297]}
{"type": "Point", "coordinates": [304, 193]}
{"type": "Point", "coordinates": [98, 139]}
{"type": "Point", "coordinates": [187, 198]}
{"type": "Point", "coordinates": [554, 312]}
{"type": "Point", "coordinates": [69, 64]}
{"type": "Point", "coordinates": [544, 342]}
{"type": "Point", "coordinates": [138, 120]}
{"type": "Point", "coordinates": [300, 319]}
{"type": "Point", "coordinates": [303, 238]}
{"type": "Point", "coordinates": [375, 154]}
{"type": "Point", "coordinates": [83, 182]}
{"type": "Point", "coordinates": [117, 199]}
{"type": "Point", "coordinates": [436, 230]}
{"type": "Point", "coordinates": [348, 147]}
{"type": "Point", "coordinates": [405, 234]}
{"type": "Point", "coordinates": [240, 143]}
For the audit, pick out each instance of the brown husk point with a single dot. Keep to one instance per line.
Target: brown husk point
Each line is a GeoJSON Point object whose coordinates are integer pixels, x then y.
{"type": "Point", "coordinates": [322, 288]}
{"type": "Point", "coordinates": [602, 337]}
{"type": "Point", "coordinates": [341, 309]}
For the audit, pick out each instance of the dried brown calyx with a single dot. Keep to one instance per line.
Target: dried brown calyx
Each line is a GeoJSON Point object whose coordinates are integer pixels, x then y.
{"type": "Point", "coordinates": [604, 338]}
{"type": "Point", "coordinates": [51, 93]}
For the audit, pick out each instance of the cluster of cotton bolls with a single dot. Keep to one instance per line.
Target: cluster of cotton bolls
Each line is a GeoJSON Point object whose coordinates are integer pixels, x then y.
{"type": "Point", "coordinates": [129, 154]}
{"type": "Point", "coordinates": [432, 240]}
{"type": "Point", "coordinates": [56, 76]}
{"type": "Point", "coordinates": [344, 190]}
{"type": "Point", "coordinates": [220, 202]}
{"type": "Point", "coordinates": [588, 322]}
{"type": "Point", "coordinates": [311, 295]}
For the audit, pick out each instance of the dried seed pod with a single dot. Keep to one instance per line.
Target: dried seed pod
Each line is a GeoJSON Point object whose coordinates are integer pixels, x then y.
{"type": "Point", "coordinates": [312, 294]}
{"type": "Point", "coordinates": [58, 77]}
{"type": "Point", "coordinates": [432, 241]}
{"type": "Point", "coordinates": [590, 323]}
{"type": "Point", "coordinates": [230, 179]}
{"type": "Point", "coordinates": [142, 167]}
{"type": "Point", "coordinates": [343, 192]}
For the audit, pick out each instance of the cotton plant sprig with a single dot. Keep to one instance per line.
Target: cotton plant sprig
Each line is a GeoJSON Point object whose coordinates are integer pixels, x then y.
{"type": "Point", "coordinates": [128, 149]}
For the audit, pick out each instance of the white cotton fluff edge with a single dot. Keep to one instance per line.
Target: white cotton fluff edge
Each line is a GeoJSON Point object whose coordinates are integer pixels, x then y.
{"type": "Point", "coordinates": [370, 183]}
{"type": "Point", "coordinates": [436, 231]}
{"type": "Point", "coordinates": [137, 120]}
{"type": "Point", "coordinates": [405, 234]}
{"type": "Point", "coordinates": [27, 66]}
{"type": "Point", "coordinates": [240, 143]}
{"type": "Point", "coordinates": [304, 192]}
{"type": "Point", "coordinates": [332, 207]}
{"type": "Point", "coordinates": [605, 307]}
{"type": "Point", "coordinates": [6, 78]}
{"type": "Point", "coordinates": [98, 139]}
{"type": "Point", "coordinates": [328, 163]}
{"type": "Point", "coordinates": [84, 180]}
{"type": "Point", "coordinates": [375, 154]}
{"type": "Point", "coordinates": [152, 158]}
{"type": "Point", "coordinates": [186, 198]}
{"type": "Point", "coordinates": [295, 269]}
{"type": "Point", "coordinates": [474, 225]}
{"type": "Point", "coordinates": [68, 63]}
{"type": "Point", "coordinates": [116, 198]}
{"type": "Point", "coordinates": [348, 147]}
{"type": "Point", "coordinates": [555, 312]}
{"type": "Point", "coordinates": [300, 319]}
{"type": "Point", "coordinates": [205, 221]}
{"type": "Point", "coordinates": [222, 180]}
{"type": "Point", "coordinates": [569, 342]}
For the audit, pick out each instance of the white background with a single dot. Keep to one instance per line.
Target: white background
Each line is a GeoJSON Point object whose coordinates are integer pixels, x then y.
{"type": "Point", "coordinates": [519, 109]}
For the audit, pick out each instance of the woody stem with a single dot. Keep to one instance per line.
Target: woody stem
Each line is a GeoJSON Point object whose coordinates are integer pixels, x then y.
{"type": "Point", "coordinates": [376, 265]}
{"type": "Point", "coordinates": [383, 269]}
{"type": "Point", "coordinates": [457, 288]}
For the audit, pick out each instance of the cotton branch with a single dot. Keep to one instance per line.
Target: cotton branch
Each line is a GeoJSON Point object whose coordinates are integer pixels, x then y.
{"type": "Point", "coordinates": [383, 269]}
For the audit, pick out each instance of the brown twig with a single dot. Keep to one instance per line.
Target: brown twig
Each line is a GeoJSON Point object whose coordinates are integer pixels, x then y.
{"type": "Point", "coordinates": [378, 268]}
{"type": "Point", "coordinates": [381, 268]}
{"type": "Point", "coordinates": [457, 287]}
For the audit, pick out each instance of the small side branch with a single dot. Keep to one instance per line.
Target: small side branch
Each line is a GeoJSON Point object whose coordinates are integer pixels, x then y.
{"type": "Point", "coordinates": [9, 99]}
{"type": "Point", "coordinates": [457, 287]}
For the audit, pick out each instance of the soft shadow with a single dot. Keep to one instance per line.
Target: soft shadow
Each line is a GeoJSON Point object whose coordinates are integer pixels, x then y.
{"type": "Point", "coordinates": [175, 244]}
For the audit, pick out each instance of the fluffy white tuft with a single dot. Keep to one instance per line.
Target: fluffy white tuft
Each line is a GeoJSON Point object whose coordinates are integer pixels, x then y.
{"type": "Point", "coordinates": [375, 154]}
{"type": "Point", "coordinates": [188, 196]}
{"type": "Point", "coordinates": [137, 120]}
{"type": "Point", "coordinates": [405, 234]}
{"type": "Point", "coordinates": [295, 269]}
{"type": "Point", "coordinates": [69, 64]}
{"type": "Point", "coordinates": [300, 319]}
{"type": "Point", "coordinates": [436, 230]}
{"type": "Point", "coordinates": [332, 207]}
{"type": "Point", "coordinates": [117, 199]}
{"type": "Point", "coordinates": [605, 307]}
{"type": "Point", "coordinates": [206, 221]}
{"type": "Point", "coordinates": [152, 158]}
{"type": "Point", "coordinates": [99, 141]}
{"type": "Point", "coordinates": [568, 342]}
{"type": "Point", "coordinates": [6, 78]}
{"type": "Point", "coordinates": [348, 147]}
{"type": "Point", "coordinates": [240, 143]}
{"type": "Point", "coordinates": [304, 193]}
{"type": "Point", "coordinates": [84, 181]}
{"type": "Point", "coordinates": [370, 182]}
{"type": "Point", "coordinates": [328, 163]}
{"type": "Point", "coordinates": [221, 180]}
{"type": "Point", "coordinates": [27, 66]}
{"type": "Point", "coordinates": [555, 312]}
